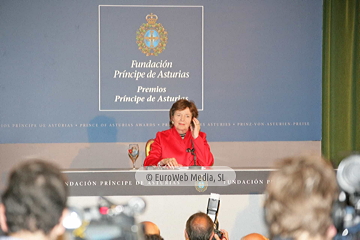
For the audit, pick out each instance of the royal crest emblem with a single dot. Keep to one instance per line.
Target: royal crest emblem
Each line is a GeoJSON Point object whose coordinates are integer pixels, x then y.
{"type": "Point", "coordinates": [201, 185]}
{"type": "Point", "coordinates": [151, 37]}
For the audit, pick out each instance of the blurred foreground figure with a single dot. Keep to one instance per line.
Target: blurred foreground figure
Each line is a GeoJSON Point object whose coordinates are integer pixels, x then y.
{"type": "Point", "coordinates": [299, 199]}
{"type": "Point", "coordinates": [34, 202]}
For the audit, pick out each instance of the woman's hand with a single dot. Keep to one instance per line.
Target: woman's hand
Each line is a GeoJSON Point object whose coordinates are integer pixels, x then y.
{"type": "Point", "coordinates": [196, 128]}
{"type": "Point", "coordinates": [171, 162]}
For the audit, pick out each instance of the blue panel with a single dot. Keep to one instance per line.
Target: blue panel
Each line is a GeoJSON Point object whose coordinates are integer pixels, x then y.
{"type": "Point", "coordinates": [252, 67]}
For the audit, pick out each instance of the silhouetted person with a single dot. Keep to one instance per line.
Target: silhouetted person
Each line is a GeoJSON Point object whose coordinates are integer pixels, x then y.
{"type": "Point", "coordinates": [299, 199]}
{"type": "Point", "coordinates": [34, 202]}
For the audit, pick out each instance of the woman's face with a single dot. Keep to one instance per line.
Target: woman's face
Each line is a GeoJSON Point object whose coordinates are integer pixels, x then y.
{"type": "Point", "coordinates": [182, 120]}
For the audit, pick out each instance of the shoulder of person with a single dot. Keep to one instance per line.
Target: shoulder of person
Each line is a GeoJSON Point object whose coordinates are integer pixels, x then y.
{"type": "Point", "coordinates": [164, 133]}
{"type": "Point", "coordinates": [202, 134]}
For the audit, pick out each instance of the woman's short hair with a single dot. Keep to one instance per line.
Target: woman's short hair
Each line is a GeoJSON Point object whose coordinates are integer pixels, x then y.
{"type": "Point", "coordinates": [180, 105]}
{"type": "Point", "coordinates": [300, 196]}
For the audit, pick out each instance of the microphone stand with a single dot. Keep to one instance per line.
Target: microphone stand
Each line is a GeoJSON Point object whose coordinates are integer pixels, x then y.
{"type": "Point", "coordinates": [194, 154]}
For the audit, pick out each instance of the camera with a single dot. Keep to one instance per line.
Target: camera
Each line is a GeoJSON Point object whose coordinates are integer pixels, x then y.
{"type": "Point", "coordinates": [219, 233]}
{"type": "Point", "coordinates": [212, 211]}
{"type": "Point", "coordinates": [106, 221]}
{"type": "Point", "coordinates": [346, 210]}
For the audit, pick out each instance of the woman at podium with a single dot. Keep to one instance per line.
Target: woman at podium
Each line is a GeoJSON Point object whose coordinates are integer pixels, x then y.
{"type": "Point", "coordinates": [183, 144]}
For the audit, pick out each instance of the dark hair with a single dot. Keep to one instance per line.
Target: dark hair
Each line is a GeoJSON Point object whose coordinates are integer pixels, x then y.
{"type": "Point", "coordinates": [153, 237]}
{"type": "Point", "coordinates": [180, 105]}
{"type": "Point", "coordinates": [35, 197]}
{"type": "Point", "coordinates": [196, 229]}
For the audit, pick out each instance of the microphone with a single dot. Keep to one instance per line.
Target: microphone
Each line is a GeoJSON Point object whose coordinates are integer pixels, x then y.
{"type": "Point", "coordinates": [192, 150]}
{"type": "Point", "coordinates": [348, 174]}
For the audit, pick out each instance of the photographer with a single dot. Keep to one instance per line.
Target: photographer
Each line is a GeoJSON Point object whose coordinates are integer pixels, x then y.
{"type": "Point", "coordinates": [199, 226]}
{"type": "Point", "coordinates": [299, 199]}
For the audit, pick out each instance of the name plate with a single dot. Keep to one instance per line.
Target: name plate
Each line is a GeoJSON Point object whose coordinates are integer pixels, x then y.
{"type": "Point", "coordinates": [117, 182]}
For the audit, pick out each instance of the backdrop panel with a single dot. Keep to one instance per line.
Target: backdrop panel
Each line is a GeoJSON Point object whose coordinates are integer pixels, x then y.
{"type": "Point", "coordinates": [78, 75]}
{"type": "Point", "coordinates": [78, 85]}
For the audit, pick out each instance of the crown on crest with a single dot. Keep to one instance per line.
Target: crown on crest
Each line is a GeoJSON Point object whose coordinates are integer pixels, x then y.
{"type": "Point", "coordinates": [151, 18]}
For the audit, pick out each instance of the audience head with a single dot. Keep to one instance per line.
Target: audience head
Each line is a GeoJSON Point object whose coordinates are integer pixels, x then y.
{"type": "Point", "coordinates": [180, 105]}
{"type": "Point", "coordinates": [150, 228]}
{"type": "Point", "coordinates": [299, 198]}
{"type": "Point", "coordinates": [199, 227]}
{"type": "Point", "coordinates": [34, 201]}
{"type": "Point", "coordinates": [153, 237]}
{"type": "Point", "coordinates": [254, 236]}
